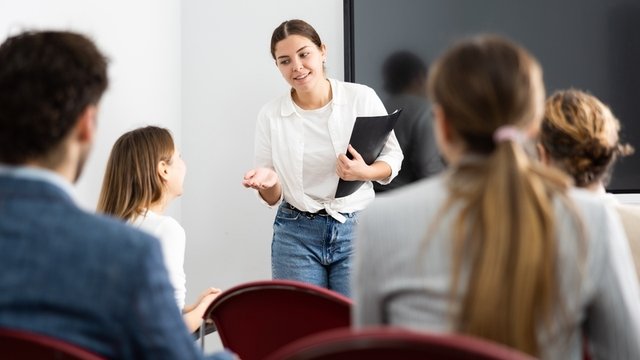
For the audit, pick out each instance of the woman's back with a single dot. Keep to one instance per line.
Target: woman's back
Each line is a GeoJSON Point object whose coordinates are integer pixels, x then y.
{"type": "Point", "coordinates": [403, 275]}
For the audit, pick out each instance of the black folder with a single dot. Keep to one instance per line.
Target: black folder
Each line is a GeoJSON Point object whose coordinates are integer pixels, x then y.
{"type": "Point", "coordinates": [368, 137]}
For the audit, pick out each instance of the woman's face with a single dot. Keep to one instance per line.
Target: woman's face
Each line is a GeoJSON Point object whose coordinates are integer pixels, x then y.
{"type": "Point", "coordinates": [176, 171]}
{"type": "Point", "coordinates": [300, 62]}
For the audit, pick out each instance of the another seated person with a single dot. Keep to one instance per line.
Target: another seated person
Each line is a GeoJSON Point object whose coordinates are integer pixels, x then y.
{"type": "Point", "coordinates": [144, 174]}
{"type": "Point", "coordinates": [499, 246]}
{"type": "Point", "coordinates": [580, 136]}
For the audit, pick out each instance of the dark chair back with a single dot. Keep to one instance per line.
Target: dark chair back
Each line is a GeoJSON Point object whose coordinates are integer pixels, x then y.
{"type": "Point", "coordinates": [257, 318]}
{"type": "Point", "coordinates": [20, 344]}
{"type": "Point", "coordinates": [393, 343]}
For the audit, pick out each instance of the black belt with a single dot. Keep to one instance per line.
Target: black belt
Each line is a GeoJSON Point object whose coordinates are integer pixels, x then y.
{"type": "Point", "coordinates": [305, 213]}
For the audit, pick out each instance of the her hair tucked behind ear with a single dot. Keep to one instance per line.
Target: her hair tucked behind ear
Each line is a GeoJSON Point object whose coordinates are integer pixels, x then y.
{"type": "Point", "coordinates": [131, 181]}
{"type": "Point", "coordinates": [580, 134]}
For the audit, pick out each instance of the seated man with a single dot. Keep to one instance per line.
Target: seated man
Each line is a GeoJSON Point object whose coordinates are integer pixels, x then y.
{"type": "Point", "coordinates": [404, 77]}
{"type": "Point", "coordinates": [86, 279]}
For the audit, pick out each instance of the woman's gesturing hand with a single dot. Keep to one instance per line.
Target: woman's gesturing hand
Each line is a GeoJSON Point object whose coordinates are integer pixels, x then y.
{"type": "Point", "coordinates": [260, 179]}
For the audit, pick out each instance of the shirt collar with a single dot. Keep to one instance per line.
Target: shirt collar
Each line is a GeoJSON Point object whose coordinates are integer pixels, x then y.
{"type": "Point", "coordinates": [287, 107]}
{"type": "Point", "coordinates": [39, 174]}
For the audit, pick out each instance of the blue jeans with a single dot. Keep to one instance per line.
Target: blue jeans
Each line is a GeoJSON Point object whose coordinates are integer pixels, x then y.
{"type": "Point", "coordinates": [314, 248]}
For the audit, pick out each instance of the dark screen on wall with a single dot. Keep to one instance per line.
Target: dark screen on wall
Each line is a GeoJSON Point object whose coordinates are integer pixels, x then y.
{"type": "Point", "coordinates": [591, 45]}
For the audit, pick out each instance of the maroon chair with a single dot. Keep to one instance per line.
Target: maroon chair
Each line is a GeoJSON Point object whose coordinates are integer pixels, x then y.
{"type": "Point", "coordinates": [393, 343]}
{"type": "Point", "coordinates": [257, 318]}
{"type": "Point", "coordinates": [20, 344]}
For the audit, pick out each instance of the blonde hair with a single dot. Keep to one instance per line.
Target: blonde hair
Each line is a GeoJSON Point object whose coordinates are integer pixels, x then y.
{"type": "Point", "coordinates": [581, 135]}
{"type": "Point", "coordinates": [505, 230]}
{"type": "Point", "coordinates": [131, 181]}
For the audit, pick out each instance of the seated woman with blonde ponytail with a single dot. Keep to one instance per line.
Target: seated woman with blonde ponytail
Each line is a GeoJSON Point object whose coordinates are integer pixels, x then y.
{"type": "Point", "coordinates": [499, 246]}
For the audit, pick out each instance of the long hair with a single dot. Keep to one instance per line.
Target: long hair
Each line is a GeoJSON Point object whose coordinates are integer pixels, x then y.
{"type": "Point", "coordinates": [581, 135]}
{"type": "Point", "coordinates": [131, 181]}
{"type": "Point", "coordinates": [505, 230]}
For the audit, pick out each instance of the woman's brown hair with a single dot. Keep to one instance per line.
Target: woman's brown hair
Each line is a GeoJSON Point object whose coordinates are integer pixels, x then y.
{"type": "Point", "coordinates": [131, 181]}
{"type": "Point", "coordinates": [581, 136]}
{"type": "Point", "coordinates": [294, 27]}
{"type": "Point", "coordinates": [505, 231]}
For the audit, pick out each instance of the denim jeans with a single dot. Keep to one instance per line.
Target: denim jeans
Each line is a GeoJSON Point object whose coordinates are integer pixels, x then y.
{"type": "Point", "coordinates": [314, 248]}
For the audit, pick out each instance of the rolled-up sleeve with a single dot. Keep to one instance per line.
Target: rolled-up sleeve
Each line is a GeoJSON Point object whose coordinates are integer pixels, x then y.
{"type": "Point", "coordinates": [392, 155]}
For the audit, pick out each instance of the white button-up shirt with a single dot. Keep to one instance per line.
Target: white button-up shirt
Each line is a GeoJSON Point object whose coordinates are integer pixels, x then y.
{"type": "Point", "coordinates": [280, 143]}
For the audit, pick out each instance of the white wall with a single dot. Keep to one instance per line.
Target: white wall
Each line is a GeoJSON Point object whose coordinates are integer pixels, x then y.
{"type": "Point", "coordinates": [228, 74]}
{"type": "Point", "coordinates": [142, 40]}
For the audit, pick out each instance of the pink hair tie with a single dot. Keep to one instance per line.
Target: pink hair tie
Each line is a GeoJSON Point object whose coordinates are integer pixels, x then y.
{"type": "Point", "coordinates": [508, 133]}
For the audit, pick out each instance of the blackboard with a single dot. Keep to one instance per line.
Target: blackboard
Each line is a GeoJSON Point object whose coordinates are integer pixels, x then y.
{"type": "Point", "coordinates": [591, 45]}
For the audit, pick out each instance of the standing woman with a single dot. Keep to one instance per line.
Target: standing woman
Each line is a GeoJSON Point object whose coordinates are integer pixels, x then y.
{"type": "Point", "coordinates": [300, 143]}
{"type": "Point", "coordinates": [145, 172]}
{"type": "Point", "coordinates": [498, 246]}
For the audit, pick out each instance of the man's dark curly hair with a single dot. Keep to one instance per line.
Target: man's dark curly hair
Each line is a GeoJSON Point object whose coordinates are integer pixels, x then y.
{"type": "Point", "coordinates": [47, 79]}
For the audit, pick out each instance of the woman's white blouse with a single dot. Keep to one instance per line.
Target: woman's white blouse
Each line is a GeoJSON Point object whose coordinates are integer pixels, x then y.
{"type": "Point", "coordinates": [280, 144]}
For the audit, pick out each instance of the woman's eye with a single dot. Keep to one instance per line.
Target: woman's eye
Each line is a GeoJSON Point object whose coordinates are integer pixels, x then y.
{"type": "Point", "coordinates": [305, 54]}
{"type": "Point", "coordinates": [284, 62]}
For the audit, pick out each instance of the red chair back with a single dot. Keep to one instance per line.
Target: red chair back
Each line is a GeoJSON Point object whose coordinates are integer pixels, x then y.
{"type": "Point", "coordinates": [392, 343]}
{"type": "Point", "coordinates": [19, 344]}
{"type": "Point", "coordinates": [257, 318]}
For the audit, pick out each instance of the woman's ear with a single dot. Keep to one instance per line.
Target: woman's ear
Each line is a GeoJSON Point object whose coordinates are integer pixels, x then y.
{"type": "Point", "coordinates": [163, 170]}
{"type": "Point", "coordinates": [445, 135]}
{"type": "Point", "coordinates": [443, 129]}
{"type": "Point", "coordinates": [543, 155]}
{"type": "Point", "coordinates": [86, 125]}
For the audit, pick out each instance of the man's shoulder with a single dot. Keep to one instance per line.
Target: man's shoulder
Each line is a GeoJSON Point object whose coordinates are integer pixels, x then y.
{"type": "Point", "coordinates": [40, 206]}
{"type": "Point", "coordinates": [110, 232]}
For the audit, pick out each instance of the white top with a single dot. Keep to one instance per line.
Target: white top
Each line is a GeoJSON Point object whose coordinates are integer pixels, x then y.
{"type": "Point", "coordinates": [318, 174]}
{"type": "Point", "coordinates": [280, 144]}
{"type": "Point", "coordinates": [400, 281]}
{"type": "Point", "coordinates": [173, 241]}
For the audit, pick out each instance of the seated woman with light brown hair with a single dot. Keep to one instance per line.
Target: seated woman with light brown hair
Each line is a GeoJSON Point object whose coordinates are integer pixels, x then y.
{"type": "Point", "coordinates": [581, 136]}
{"type": "Point", "coordinates": [145, 173]}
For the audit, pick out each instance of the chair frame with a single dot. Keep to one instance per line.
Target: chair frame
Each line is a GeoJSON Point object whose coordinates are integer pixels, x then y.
{"type": "Point", "coordinates": [25, 344]}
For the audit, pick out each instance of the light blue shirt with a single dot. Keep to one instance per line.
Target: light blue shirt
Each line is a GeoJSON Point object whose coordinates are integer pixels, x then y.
{"type": "Point", "coordinates": [41, 174]}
